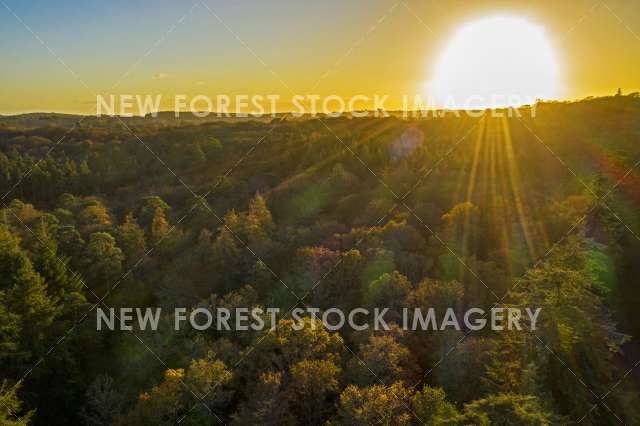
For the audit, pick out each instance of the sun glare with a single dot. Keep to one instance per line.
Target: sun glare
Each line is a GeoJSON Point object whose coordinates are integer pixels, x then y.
{"type": "Point", "coordinates": [494, 62]}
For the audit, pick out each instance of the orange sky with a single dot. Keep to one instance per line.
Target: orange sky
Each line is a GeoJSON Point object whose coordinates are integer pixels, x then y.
{"type": "Point", "coordinates": [283, 47]}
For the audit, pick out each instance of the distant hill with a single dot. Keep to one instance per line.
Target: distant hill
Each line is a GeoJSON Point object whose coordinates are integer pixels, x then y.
{"type": "Point", "coordinates": [163, 118]}
{"type": "Point", "coordinates": [168, 118]}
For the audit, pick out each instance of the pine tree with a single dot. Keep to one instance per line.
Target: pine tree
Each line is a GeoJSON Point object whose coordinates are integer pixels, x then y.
{"type": "Point", "coordinates": [11, 406]}
{"type": "Point", "coordinates": [62, 283]}
{"type": "Point", "coordinates": [103, 404]}
{"type": "Point", "coordinates": [25, 293]}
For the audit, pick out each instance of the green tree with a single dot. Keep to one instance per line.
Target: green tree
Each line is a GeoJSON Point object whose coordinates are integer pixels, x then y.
{"type": "Point", "coordinates": [10, 329]}
{"type": "Point", "coordinates": [314, 383]}
{"type": "Point", "coordinates": [285, 346]}
{"type": "Point", "coordinates": [94, 217]}
{"type": "Point", "coordinates": [70, 242]}
{"type": "Point", "coordinates": [159, 226]}
{"type": "Point", "coordinates": [148, 207]}
{"type": "Point", "coordinates": [382, 358]}
{"type": "Point", "coordinates": [390, 290]}
{"type": "Point", "coordinates": [102, 260]}
{"type": "Point", "coordinates": [259, 215]}
{"type": "Point", "coordinates": [265, 406]}
{"type": "Point", "coordinates": [104, 402]}
{"type": "Point", "coordinates": [62, 284]}
{"type": "Point", "coordinates": [307, 392]}
{"type": "Point", "coordinates": [431, 406]}
{"type": "Point", "coordinates": [11, 406]}
{"type": "Point", "coordinates": [377, 404]}
{"type": "Point", "coordinates": [193, 155]}
{"type": "Point", "coordinates": [132, 240]}
{"type": "Point", "coordinates": [507, 409]}
{"type": "Point", "coordinates": [181, 395]}
{"type": "Point", "coordinates": [210, 146]}
{"type": "Point", "coordinates": [25, 295]}
{"type": "Point", "coordinates": [430, 346]}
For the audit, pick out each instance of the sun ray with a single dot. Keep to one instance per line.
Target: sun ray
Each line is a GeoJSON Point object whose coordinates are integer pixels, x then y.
{"type": "Point", "coordinates": [516, 184]}
{"type": "Point", "coordinates": [497, 199]}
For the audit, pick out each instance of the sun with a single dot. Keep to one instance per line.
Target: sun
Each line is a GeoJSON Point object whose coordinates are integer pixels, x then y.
{"type": "Point", "coordinates": [494, 62]}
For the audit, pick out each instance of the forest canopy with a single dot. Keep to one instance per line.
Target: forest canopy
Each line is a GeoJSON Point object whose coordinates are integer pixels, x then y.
{"type": "Point", "coordinates": [450, 212]}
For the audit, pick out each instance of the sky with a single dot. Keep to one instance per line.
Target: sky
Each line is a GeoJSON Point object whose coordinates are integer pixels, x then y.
{"type": "Point", "coordinates": [57, 55]}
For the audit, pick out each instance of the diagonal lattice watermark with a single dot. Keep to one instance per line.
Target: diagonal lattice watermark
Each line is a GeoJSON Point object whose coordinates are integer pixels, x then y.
{"type": "Point", "coordinates": [401, 199]}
